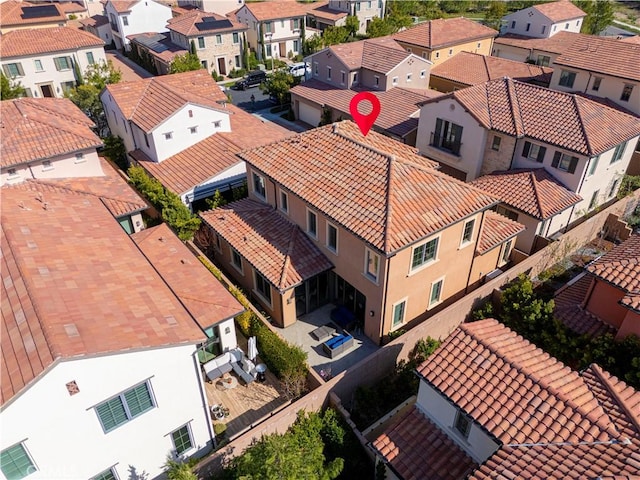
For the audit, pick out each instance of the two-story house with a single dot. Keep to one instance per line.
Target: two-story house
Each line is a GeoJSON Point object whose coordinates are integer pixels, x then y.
{"type": "Point", "coordinates": [47, 61]}
{"type": "Point", "coordinates": [129, 17]}
{"type": "Point", "coordinates": [541, 51]}
{"type": "Point", "coordinates": [221, 7]}
{"type": "Point", "coordinates": [99, 26]}
{"type": "Point", "coordinates": [404, 239]}
{"type": "Point", "coordinates": [440, 39]}
{"type": "Point", "coordinates": [491, 405]}
{"type": "Point", "coordinates": [334, 13]}
{"type": "Point", "coordinates": [274, 29]}
{"type": "Point", "coordinates": [218, 41]}
{"type": "Point", "coordinates": [544, 20]}
{"type": "Point", "coordinates": [505, 124]}
{"type": "Point", "coordinates": [18, 15]}
{"type": "Point", "coordinates": [581, 68]}
{"type": "Point", "coordinates": [183, 132]}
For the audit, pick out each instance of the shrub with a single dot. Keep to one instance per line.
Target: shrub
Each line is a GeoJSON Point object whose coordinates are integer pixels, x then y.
{"type": "Point", "coordinates": [281, 357]}
{"type": "Point", "coordinates": [237, 73]}
{"type": "Point", "coordinates": [220, 430]}
{"type": "Point", "coordinates": [180, 470]}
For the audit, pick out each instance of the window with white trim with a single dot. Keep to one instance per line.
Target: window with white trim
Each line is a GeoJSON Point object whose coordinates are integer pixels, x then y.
{"type": "Point", "coordinates": [594, 200]}
{"type": "Point", "coordinates": [182, 439]}
{"type": "Point", "coordinates": [108, 474]}
{"type": "Point", "coordinates": [467, 232]}
{"type": "Point", "coordinates": [38, 65]}
{"type": "Point", "coordinates": [618, 153]}
{"type": "Point", "coordinates": [125, 407]}
{"type": "Point", "coordinates": [262, 286]}
{"type": "Point", "coordinates": [90, 59]}
{"type": "Point", "coordinates": [80, 158]}
{"type": "Point", "coordinates": [168, 135]}
{"type": "Point", "coordinates": [398, 313]}
{"type": "Point", "coordinates": [332, 238]}
{"type": "Point", "coordinates": [328, 73]}
{"type": "Point", "coordinates": [218, 39]}
{"type": "Point", "coordinates": [46, 165]}
{"type": "Point", "coordinates": [236, 37]}
{"type": "Point", "coordinates": [436, 292]}
{"type": "Point", "coordinates": [284, 202]}
{"type": "Point", "coordinates": [201, 42]}
{"type": "Point", "coordinates": [423, 73]}
{"type": "Point", "coordinates": [312, 224]}
{"type": "Point", "coordinates": [394, 81]}
{"type": "Point", "coordinates": [462, 424]}
{"type": "Point", "coordinates": [236, 259]}
{"type": "Point", "coordinates": [62, 63]}
{"type": "Point", "coordinates": [371, 265]}
{"type": "Point", "coordinates": [593, 166]}
{"type": "Point", "coordinates": [425, 253]}
{"type": "Point", "coordinates": [505, 254]}
{"type": "Point", "coordinates": [614, 188]}
{"type": "Point", "coordinates": [259, 186]}
{"type": "Point", "coordinates": [408, 77]}
{"type": "Point", "coordinates": [567, 78]}
{"type": "Point", "coordinates": [16, 463]}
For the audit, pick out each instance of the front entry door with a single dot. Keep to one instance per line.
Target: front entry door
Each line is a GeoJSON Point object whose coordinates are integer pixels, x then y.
{"type": "Point", "coordinates": [222, 67]}
{"type": "Point", "coordinates": [46, 90]}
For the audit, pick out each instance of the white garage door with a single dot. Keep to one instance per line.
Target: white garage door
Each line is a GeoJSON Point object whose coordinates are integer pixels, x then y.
{"type": "Point", "coordinates": [309, 114]}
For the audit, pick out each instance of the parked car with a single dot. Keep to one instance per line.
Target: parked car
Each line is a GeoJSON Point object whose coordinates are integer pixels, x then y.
{"type": "Point", "coordinates": [252, 79]}
{"type": "Point", "coordinates": [299, 69]}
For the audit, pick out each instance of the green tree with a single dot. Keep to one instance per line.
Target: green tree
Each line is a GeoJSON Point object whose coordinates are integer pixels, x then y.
{"type": "Point", "coordinates": [114, 149]}
{"type": "Point", "coordinates": [278, 85]}
{"type": "Point", "coordinates": [334, 35]}
{"type": "Point", "coordinates": [380, 27]}
{"type": "Point", "coordinates": [180, 470]}
{"type": "Point", "coordinates": [311, 45]}
{"type": "Point", "coordinates": [352, 24]}
{"type": "Point", "coordinates": [10, 89]}
{"type": "Point", "coordinates": [493, 15]}
{"type": "Point", "coordinates": [216, 201]}
{"type": "Point", "coordinates": [185, 63]}
{"type": "Point", "coordinates": [599, 15]}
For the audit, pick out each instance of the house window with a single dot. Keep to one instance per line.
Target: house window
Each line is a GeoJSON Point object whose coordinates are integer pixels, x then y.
{"type": "Point", "coordinates": [315, 69]}
{"type": "Point", "coordinates": [90, 59]}
{"type": "Point", "coordinates": [513, 24]}
{"type": "Point", "coordinates": [437, 54]}
{"type": "Point", "coordinates": [312, 224]}
{"type": "Point", "coordinates": [218, 39]}
{"type": "Point", "coordinates": [594, 200]}
{"type": "Point", "coordinates": [182, 439]}
{"type": "Point", "coordinates": [282, 23]}
{"type": "Point", "coordinates": [190, 113]}
{"type": "Point", "coordinates": [16, 463]}
{"type": "Point", "coordinates": [193, 130]}
{"type": "Point", "coordinates": [79, 158]}
{"type": "Point", "coordinates": [200, 42]}
{"type": "Point", "coordinates": [565, 162]}
{"type": "Point", "coordinates": [408, 77]}
{"type": "Point", "coordinates": [450, 51]}
{"type": "Point", "coordinates": [398, 313]}
{"type": "Point", "coordinates": [267, 27]}
{"type": "Point", "coordinates": [263, 287]}
{"type": "Point", "coordinates": [555, 28]}
{"type": "Point", "coordinates": [543, 60]}
{"type": "Point", "coordinates": [106, 475]}
{"type": "Point", "coordinates": [506, 252]}
{"type": "Point", "coordinates": [284, 202]}
{"type": "Point", "coordinates": [146, 140]}
{"type": "Point", "coordinates": [436, 292]}
{"type": "Point", "coordinates": [236, 259]}
{"type": "Point", "coordinates": [125, 407]}
{"type": "Point", "coordinates": [67, 86]}
{"type": "Point", "coordinates": [395, 80]}
{"type": "Point", "coordinates": [567, 78]}
{"type": "Point", "coordinates": [528, 27]}
{"type": "Point", "coordinates": [544, 29]}
{"type": "Point", "coordinates": [447, 136]}
{"type": "Point", "coordinates": [614, 188]}
{"type": "Point", "coordinates": [496, 143]}
{"type": "Point", "coordinates": [626, 92]}
{"type": "Point", "coordinates": [507, 213]}
{"type": "Point", "coordinates": [328, 73]}
{"type": "Point", "coordinates": [236, 37]}
{"type": "Point", "coordinates": [376, 81]}
{"type": "Point", "coordinates": [38, 65]}
{"type": "Point", "coordinates": [217, 123]}
{"type": "Point", "coordinates": [296, 46]}
{"type": "Point", "coordinates": [618, 153]}
{"type": "Point", "coordinates": [237, 60]}
{"type": "Point", "coordinates": [409, 50]}
{"type": "Point", "coordinates": [296, 23]}
{"type": "Point", "coordinates": [342, 77]}
{"type": "Point", "coordinates": [478, 45]}
{"type": "Point", "coordinates": [596, 84]}
{"type": "Point", "coordinates": [46, 165]}
{"type": "Point", "coordinates": [467, 233]}
{"type": "Point", "coordinates": [372, 265]}
{"type": "Point", "coordinates": [566, 26]}
{"type": "Point", "coordinates": [424, 253]}
{"type": "Point", "coordinates": [125, 21]}
{"type": "Point", "coordinates": [594, 165]}
{"type": "Point", "coordinates": [62, 63]}
{"type": "Point", "coordinates": [357, 6]}
{"type": "Point", "coordinates": [533, 152]}
{"type": "Point", "coordinates": [355, 79]}
{"type": "Point", "coordinates": [168, 135]}
{"type": "Point", "coordinates": [259, 187]}
{"type": "Point", "coordinates": [423, 73]}
{"type": "Point", "coordinates": [463, 424]}
{"type": "Point", "coordinates": [332, 238]}
{"type": "Point", "coordinates": [12, 173]}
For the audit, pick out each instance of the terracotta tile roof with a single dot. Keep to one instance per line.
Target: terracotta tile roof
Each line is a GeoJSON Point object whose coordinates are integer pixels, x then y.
{"type": "Point", "coordinates": [442, 32]}
{"type": "Point", "coordinates": [516, 391]}
{"type": "Point", "coordinates": [19, 43]}
{"type": "Point", "coordinates": [38, 128]}
{"type": "Point", "coordinates": [274, 10]}
{"type": "Point", "coordinates": [276, 247]}
{"type": "Point", "coordinates": [496, 229]}
{"type": "Point", "coordinates": [562, 462]}
{"type": "Point", "coordinates": [122, 6]}
{"type": "Point", "coordinates": [471, 68]}
{"type": "Point", "coordinates": [397, 199]}
{"type": "Point", "coordinates": [323, 11]}
{"type": "Point", "coordinates": [635, 39]}
{"type": "Point", "coordinates": [417, 449]}
{"type": "Point", "coordinates": [377, 50]}
{"type": "Point", "coordinates": [568, 309]}
{"type": "Point", "coordinates": [587, 52]}
{"type": "Point", "coordinates": [621, 268]}
{"type": "Point", "coordinates": [562, 119]}
{"type": "Point", "coordinates": [114, 191]}
{"type": "Point", "coordinates": [158, 45]}
{"type": "Point", "coordinates": [248, 131]}
{"type": "Point", "coordinates": [150, 101]}
{"type": "Point", "coordinates": [71, 291]}
{"type": "Point", "coordinates": [12, 13]}
{"type": "Point", "coordinates": [94, 21]}
{"type": "Point", "coordinates": [71, 7]}
{"type": "Point", "coordinates": [198, 23]}
{"type": "Point", "coordinates": [559, 11]}
{"type": "Point", "coordinates": [204, 297]}
{"type": "Point", "coordinates": [532, 191]}
{"type": "Point", "coordinates": [555, 44]}
{"type": "Point", "coordinates": [397, 104]}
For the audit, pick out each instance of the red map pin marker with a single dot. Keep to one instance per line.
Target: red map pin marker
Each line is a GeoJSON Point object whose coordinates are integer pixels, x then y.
{"type": "Point", "coordinates": [365, 122]}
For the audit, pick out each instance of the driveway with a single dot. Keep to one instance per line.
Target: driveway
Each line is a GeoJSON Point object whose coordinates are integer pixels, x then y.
{"type": "Point", "coordinates": [130, 70]}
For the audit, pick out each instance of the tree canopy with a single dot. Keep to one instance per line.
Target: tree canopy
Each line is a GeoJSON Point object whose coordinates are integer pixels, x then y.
{"type": "Point", "coordinates": [278, 85]}
{"type": "Point", "coordinates": [494, 13]}
{"type": "Point", "coordinates": [10, 89]}
{"type": "Point", "coordinates": [599, 15]}
{"type": "Point", "coordinates": [185, 63]}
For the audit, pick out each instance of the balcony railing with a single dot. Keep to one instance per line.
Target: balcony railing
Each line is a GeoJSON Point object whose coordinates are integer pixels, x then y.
{"type": "Point", "coordinates": [443, 143]}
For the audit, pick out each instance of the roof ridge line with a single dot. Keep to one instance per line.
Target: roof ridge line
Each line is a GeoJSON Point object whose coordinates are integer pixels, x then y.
{"type": "Point", "coordinates": [623, 405]}
{"type": "Point", "coordinates": [42, 181]}
{"type": "Point", "coordinates": [513, 97]}
{"type": "Point", "coordinates": [387, 204]}
{"type": "Point", "coordinates": [287, 255]}
{"type": "Point", "coordinates": [363, 145]}
{"type": "Point", "coordinates": [534, 185]}
{"type": "Point", "coordinates": [144, 92]}
{"type": "Point", "coordinates": [582, 128]}
{"type": "Point", "coordinates": [569, 444]}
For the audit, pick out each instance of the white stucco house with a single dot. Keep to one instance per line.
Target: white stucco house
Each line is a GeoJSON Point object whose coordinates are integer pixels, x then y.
{"type": "Point", "coordinates": [44, 60]}
{"type": "Point", "coordinates": [99, 26]}
{"type": "Point", "coordinates": [130, 17]}
{"type": "Point", "coordinates": [505, 124]}
{"type": "Point", "coordinates": [221, 7]}
{"type": "Point", "coordinates": [544, 20]}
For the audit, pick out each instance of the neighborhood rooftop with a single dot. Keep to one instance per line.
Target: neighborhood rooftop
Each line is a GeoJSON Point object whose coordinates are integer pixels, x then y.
{"type": "Point", "coordinates": [122, 6]}
{"type": "Point", "coordinates": [559, 11]}
{"type": "Point", "coordinates": [441, 32]}
{"type": "Point", "coordinates": [378, 54]}
{"type": "Point", "coordinates": [197, 22]}
{"type": "Point", "coordinates": [558, 43]}
{"type": "Point", "coordinates": [18, 43]}
{"type": "Point", "coordinates": [562, 119]}
{"type": "Point", "coordinates": [14, 12]}
{"type": "Point", "coordinates": [399, 197]}
{"type": "Point", "coordinates": [496, 229]}
{"type": "Point", "coordinates": [264, 11]}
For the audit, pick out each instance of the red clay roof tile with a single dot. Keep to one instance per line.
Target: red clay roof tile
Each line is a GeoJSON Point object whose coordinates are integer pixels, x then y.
{"type": "Point", "coordinates": [276, 10]}
{"type": "Point", "coordinates": [122, 6]}
{"type": "Point", "coordinates": [12, 13]}
{"type": "Point", "coordinates": [20, 43]}
{"type": "Point", "coordinates": [94, 21]}
{"type": "Point", "coordinates": [376, 54]}
{"type": "Point", "coordinates": [558, 43]}
{"type": "Point", "coordinates": [496, 229]}
{"type": "Point", "coordinates": [200, 23]}
{"type": "Point", "coordinates": [559, 11]}
{"type": "Point", "coordinates": [442, 32]}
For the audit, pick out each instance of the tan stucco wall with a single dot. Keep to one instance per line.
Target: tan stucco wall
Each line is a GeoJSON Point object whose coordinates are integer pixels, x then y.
{"type": "Point", "coordinates": [497, 159]}
{"type": "Point", "coordinates": [444, 85]}
{"type": "Point", "coordinates": [603, 302]}
{"type": "Point", "coordinates": [486, 263]}
{"type": "Point", "coordinates": [439, 55]}
{"type": "Point", "coordinates": [630, 325]}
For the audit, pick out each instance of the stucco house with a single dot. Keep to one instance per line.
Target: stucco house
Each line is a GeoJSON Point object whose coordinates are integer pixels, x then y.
{"type": "Point", "coordinates": [334, 13]}
{"type": "Point", "coordinates": [44, 60]}
{"type": "Point", "coordinates": [544, 20]}
{"type": "Point", "coordinates": [404, 240]}
{"type": "Point", "coordinates": [541, 51]}
{"type": "Point", "coordinates": [492, 405]}
{"type": "Point", "coordinates": [219, 41]}
{"type": "Point", "coordinates": [99, 26]}
{"type": "Point", "coordinates": [156, 50]}
{"type": "Point", "coordinates": [442, 38]}
{"type": "Point", "coordinates": [18, 15]}
{"type": "Point", "coordinates": [221, 7]}
{"type": "Point", "coordinates": [128, 17]}
{"type": "Point", "coordinates": [505, 124]}
{"type": "Point", "coordinates": [274, 29]}
{"type": "Point", "coordinates": [606, 298]}
{"type": "Point", "coordinates": [580, 68]}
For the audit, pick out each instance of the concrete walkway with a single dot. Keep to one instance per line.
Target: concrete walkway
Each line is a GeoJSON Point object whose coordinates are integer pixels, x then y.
{"type": "Point", "coordinates": [131, 71]}
{"type": "Point", "coordinates": [296, 126]}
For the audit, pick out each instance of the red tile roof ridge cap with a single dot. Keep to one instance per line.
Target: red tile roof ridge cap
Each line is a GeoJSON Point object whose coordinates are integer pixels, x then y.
{"type": "Point", "coordinates": [534, 184]}
{"type": "Point", "coordinates": [287, 256]}
{"type": "Point", "coordinates": [336, 131]}
{"type": "Point", "coordinates": [576, 104]}
{"type": "Point", "coordinates": [144, 92]}
{"type": "Point", "coordinates": [512, 97]}
{"type": "Point", "coordinates": [387, 204]}
{"type": "Point", "coordinates": [600, 373]}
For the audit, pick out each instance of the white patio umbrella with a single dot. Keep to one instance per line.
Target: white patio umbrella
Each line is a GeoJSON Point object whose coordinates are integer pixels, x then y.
{"type": "Point", "coordinates": [252, 349]}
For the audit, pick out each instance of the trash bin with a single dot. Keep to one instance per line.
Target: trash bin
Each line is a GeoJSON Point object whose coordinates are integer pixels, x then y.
{"type": "Point", "coordinates": [261, 370]}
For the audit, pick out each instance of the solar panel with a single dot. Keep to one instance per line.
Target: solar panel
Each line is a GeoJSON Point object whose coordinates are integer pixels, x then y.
{"type": "Point", "coordinates": [210, 23]}
{"type": "Point", "coordinates": [153, 43]}
{"type": "Point", "coordinates": [39, 11]}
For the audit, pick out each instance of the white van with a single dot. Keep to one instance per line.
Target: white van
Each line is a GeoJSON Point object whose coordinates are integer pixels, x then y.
{"type": "Point", "coordinates": [299, 69]}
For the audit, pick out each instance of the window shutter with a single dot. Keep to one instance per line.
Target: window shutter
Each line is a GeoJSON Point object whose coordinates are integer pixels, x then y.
{"type": "Point", "coordinates": [20, 70]}
{"type": "Point", "coordinates": [438, 126]}
{"type": "Point", "coordinates": [138, 400]}
{"type": "Point", "coordinates": [6, 71]}
{"type": "Point", "coordinates": [291, 23]}
{"type": "Point", "coordinates": [526, 148]}
{"type": "Point", "coordinates": [556, 159]}
{"type": "Point", "coordinates": [573, 164]}
{"type": "Point", "coordinates": [457, 132]}
{"type": "Point", "coordinates": [57, 62]}
{"type": "Point", "coordinates": [541, 154]}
